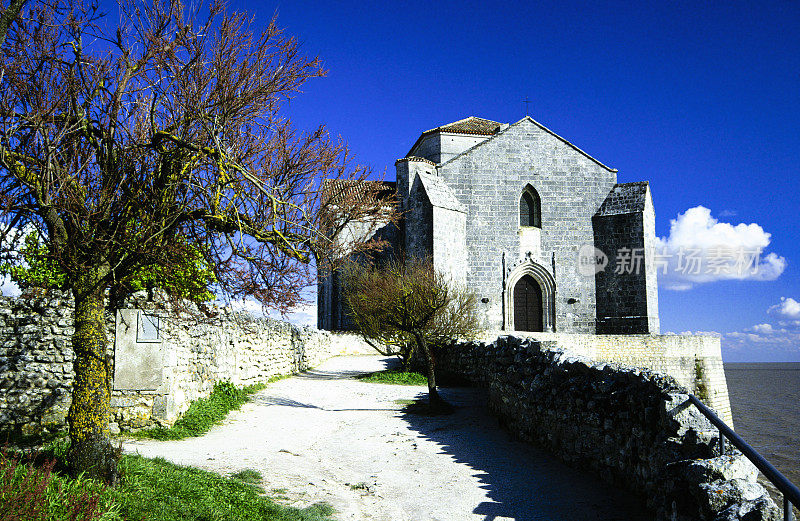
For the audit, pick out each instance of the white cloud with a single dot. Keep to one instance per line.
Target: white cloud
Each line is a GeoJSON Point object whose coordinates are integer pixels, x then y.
{"type": "Point", "coordinates": [8, 287]}
{"type": "Point", "coordinates": [783, 336]}
{"type": "Point", "coordinates": [788, 308]}
{"type": "Point", "coordinates": [700, 249]}
{"type": "Point", "coordinates": [302, 315]}
{"type": "Point", "coordinates": [675, 286]}
{"type": "Point", "coordinates": [762, 328]}
{"type": "Point", "coordinates": [247, 306]}
{"type": "Point", "coordinates": [700, 333]}
{"type": "Point", "coordinates": [14, 239]}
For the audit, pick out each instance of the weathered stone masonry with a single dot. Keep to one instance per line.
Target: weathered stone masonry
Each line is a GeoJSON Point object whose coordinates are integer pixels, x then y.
{"type": "Point", "coordinates": [630, 426]}
{"type": "Point", "coordinates": [155, 379]}
{"type": "Point", "coordinates": [694, 361]}
{"type": "Point", "coordinates": [462, 191]}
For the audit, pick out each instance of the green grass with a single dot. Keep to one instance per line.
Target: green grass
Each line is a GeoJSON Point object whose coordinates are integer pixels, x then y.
{"type": "Point", "coordinates": [395, 377]}
{"type": "Point", "coordinates": [251, 476]}
{"type": "Point", "coordinates": [151, 490]}
{"type": "Point", "coordinates": [206, 412]}
{"type": "Point", "coordinates": [30, 490]}
{"type": "Point", "coordinates": [422, 407]}
{"type": "Point", "coordinates": [154, 489]}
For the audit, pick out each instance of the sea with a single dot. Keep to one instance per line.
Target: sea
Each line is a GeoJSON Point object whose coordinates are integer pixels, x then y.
{"type": "Point", "coordinates": [765, 402]}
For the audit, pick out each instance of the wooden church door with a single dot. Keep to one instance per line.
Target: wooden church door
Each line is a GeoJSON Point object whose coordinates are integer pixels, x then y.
{"type": "Point", "coordinates": [528, 305]}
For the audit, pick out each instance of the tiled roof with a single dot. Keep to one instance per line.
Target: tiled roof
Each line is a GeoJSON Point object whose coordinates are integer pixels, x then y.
{"type": "Point", "coordinates": [414, 158]}
{"type": "Point", "coordinates": [356, 190]}
{"type": "Point", "coordinates": [470, 125]}
{"type": "Point", "coordinates": [625, 198]}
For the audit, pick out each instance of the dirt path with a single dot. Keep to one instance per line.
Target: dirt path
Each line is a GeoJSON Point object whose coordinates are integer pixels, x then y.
{"type": "Point", "coordinates": [324, 436]}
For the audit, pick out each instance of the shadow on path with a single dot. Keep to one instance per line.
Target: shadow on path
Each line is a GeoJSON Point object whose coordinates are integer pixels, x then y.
{"type": "Point", "coordinates": [288, 402]}
{"type": "Point", "coordinates": [523, 482]}
{"type": "Point", "coordinates": [344, 374]}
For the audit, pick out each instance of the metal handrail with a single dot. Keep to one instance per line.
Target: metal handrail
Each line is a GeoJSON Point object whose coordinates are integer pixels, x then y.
{"type": "Point", "coordinates": [791, 494]}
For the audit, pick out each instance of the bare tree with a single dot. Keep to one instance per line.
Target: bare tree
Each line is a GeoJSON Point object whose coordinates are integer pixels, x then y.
{"type": "Point", "coordinates": [409, 304]}
{"type": "Point", "coordinates": [8, 15]}
{"type": "Point", "coordinates": [122, 146]}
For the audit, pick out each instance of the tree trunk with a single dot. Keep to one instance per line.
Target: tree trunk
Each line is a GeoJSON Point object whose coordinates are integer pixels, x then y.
{"type": "Point", "coordinates": [90, 449]}
{"type": "Point", "coordinates": [7, 17]}
{"type": "Point", "coordinates": [434, 399]}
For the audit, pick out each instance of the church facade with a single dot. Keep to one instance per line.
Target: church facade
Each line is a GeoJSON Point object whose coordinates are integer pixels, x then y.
{"type": "Point", "coordinates": [538, 229]}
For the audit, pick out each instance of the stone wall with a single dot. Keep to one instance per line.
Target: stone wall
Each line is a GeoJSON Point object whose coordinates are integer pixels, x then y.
{"type": "Point", "coordinates": [630, 426]}
{"type": "Point", "coordinates": [35, 362]}
{"type": "Point", "coordinates": [624, 229]}
{"type": "Point", "coordinates": [694, 361]}
{"type": "Point", "coordinates": [154, 379]}
{"type": "Point", "coordinates": [489, 181]}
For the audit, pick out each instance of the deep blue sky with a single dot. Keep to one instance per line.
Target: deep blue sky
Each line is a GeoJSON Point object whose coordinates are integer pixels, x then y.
{"type": "Point", "coordinates": [699, 98]}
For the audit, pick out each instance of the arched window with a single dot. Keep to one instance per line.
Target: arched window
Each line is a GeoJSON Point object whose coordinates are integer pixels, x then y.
{"type": "Point", "coordinates": [530, 208]}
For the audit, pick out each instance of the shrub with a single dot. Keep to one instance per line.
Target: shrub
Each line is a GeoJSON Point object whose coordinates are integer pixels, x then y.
{"type": "Point", "coordinates": [203, 413]}
{"type": "Point", "coordinates": [31, 491]}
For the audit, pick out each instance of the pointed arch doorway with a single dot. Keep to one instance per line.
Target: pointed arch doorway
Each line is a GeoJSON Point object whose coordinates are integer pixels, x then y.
{"type": "Point", "coordinates": [529, 298]}
{"type": "Point", "coordinates": [528, 307]}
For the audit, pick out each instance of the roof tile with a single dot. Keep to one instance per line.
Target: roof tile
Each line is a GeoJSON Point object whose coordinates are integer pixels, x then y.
{"type": "Point", "coordinates": [470, 125]}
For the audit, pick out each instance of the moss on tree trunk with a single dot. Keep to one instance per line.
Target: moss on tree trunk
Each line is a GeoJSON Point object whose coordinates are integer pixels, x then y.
{"type": "Point", "coordinates": [90, 449]}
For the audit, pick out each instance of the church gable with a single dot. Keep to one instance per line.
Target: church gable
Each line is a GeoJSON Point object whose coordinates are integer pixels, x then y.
{"type": "Point", "coordinates": [526, 125]}
{"type": "Point", "coordinates": [505, 209]}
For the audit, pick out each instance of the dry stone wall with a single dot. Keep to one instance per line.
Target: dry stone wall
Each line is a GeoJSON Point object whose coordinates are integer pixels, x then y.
{"type": "Point", "coordinates": [35, 362]}
{"type": "Point", "coordinates": [631, 426]}
{"type": "Point", "coordinates": [694, 361]}
{"type": "Point", "coordinates": [154, 381]}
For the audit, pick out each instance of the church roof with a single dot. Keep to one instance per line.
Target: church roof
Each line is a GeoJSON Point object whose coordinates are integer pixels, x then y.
{"type": "Point", "coordinates": [505, 128]}
{"type": "Point", "coordinates": [439, 193]}
{"type": "Point", "coordinates": [356, 190]}
{"type": "Point", "coordinates": [470, 125]}
{"type": "Point", "coordinates": [625, 198]}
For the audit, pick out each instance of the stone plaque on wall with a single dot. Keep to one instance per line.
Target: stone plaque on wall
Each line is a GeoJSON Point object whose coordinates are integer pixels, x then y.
{"type": "Point", "coordinates": [138, 356]}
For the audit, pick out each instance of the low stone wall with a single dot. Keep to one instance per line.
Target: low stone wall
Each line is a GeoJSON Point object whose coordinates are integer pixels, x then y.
{"type": "Point", "coordinates": [155, 379]}
{"type": "Point", "coordinates": [193, 356]}
{"type": "Point", "coordinates": [631, 426]}
{"type": "Point", "coordinates": [694, 361]}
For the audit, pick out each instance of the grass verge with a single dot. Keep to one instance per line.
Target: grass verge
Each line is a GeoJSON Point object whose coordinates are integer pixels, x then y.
{"type": "Point", "coordinates": [205, 412]}
{"type": "Point", "coordinates": [31, 490]}
{"type": "Point", "coordinates": [156, 489]}
{"type": "Point", "coordinates": [151, 489]}
{"type": "Point", "coordinates": [395, 377]}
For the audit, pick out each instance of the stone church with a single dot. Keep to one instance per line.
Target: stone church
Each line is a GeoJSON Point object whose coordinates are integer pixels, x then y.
{"type": "Point", "coordinates": [540, 230]}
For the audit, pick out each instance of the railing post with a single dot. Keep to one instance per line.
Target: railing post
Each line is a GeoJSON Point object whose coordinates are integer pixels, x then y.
{"type": "Point", "coordinates": [787, 509]}
{"type": "Point", "coordinates": [721, 444]}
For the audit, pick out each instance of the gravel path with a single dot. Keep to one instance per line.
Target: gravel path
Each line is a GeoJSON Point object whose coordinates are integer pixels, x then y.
{"type": "Point", "coordinates": [324, 436]}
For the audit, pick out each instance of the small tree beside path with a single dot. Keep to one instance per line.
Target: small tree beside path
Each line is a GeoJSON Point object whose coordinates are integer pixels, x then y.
{"type": "Point", "coordinates": [411, 306]}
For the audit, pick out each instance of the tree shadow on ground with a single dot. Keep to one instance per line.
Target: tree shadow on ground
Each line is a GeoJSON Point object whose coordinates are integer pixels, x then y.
{"type": "Point", "coordinates": [522, 482]}
{"type": "Point", "coordinates": [316, 374]}
{"type": "Point", "coordinates": [344, 374]}
{"type": "Point", "coordinates": [288, 402]}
